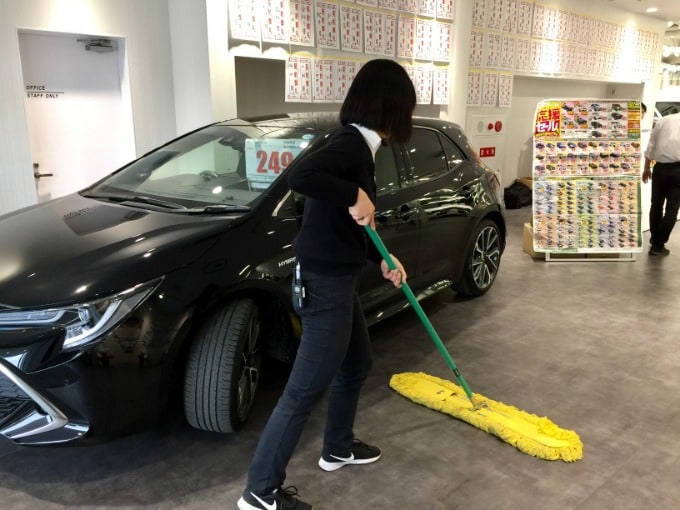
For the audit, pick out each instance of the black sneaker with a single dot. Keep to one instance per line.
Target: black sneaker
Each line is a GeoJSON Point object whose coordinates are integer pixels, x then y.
{"type": "Point", "coordinates": [360, 453]}
{"type": "Point", "coordinates": [663, 251]}
{"type": "Point", "coordinates": [280, 499]}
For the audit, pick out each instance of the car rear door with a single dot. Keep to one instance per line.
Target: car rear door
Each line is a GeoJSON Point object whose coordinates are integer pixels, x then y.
{"type": "Point", "coordinates": [396, 221]}
{"type": "Point", "coordinates": [443, 178]}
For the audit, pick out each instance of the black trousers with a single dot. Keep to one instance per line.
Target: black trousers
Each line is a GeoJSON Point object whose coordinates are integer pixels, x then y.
{"type": "Point", "coordinates": [663, 212]}
{"type": "Point", "coordinates": [334, 354]}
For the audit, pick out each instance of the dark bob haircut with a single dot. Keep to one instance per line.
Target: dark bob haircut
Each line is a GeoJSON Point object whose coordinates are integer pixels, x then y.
{"type": "Point", "coordinates": [382, 98]}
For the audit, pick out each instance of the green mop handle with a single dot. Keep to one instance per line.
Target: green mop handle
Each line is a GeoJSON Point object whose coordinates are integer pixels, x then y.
{"type": "Point", "coordinates": [421, 313]}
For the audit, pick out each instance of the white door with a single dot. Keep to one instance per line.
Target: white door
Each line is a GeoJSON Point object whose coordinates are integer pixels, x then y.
{"type": "Point", "coordinates": [79, 118]}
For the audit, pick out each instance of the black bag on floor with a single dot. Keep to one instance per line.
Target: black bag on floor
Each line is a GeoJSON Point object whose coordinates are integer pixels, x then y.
{"type": "Point", "coordinates": [517, 195]}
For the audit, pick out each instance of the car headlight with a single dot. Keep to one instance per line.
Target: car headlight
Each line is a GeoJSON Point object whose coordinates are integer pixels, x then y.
{"type": "Point", "coordinates": [82, 323]}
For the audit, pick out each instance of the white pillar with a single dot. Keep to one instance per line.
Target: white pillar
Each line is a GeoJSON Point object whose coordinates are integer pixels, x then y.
{"type": "Point", "coordinates": [458, 68]}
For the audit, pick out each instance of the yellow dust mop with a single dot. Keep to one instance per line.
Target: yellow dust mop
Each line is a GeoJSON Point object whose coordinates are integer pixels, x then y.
{"type": "Point", "coordinates": [531, 434]}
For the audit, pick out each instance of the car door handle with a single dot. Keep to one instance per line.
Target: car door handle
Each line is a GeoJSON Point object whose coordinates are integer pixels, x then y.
{"type": "Point", "coordinates": [405, 212]}
{"type": "Point", "coordinates": [466, 191]}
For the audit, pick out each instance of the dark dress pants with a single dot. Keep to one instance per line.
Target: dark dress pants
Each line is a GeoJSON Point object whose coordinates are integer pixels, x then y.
{"type": "Point", "coordinates": [334, 352]}
{"type": "Point", "coordinates": [663, 211]}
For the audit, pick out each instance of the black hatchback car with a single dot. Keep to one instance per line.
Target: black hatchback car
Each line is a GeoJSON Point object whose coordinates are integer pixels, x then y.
{"type": "Point", "coordinates": [177, 268]}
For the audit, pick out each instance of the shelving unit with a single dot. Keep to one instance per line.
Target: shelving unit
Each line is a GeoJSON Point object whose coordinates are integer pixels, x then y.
{"type": "Point", "coordinates": [586, 179]}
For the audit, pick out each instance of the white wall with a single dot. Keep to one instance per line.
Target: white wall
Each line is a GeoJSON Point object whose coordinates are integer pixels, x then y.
{"type": "Point", "coordinates": [146, 29]}
{"type": "Point", "coordinates": [528, 91]}
{"type": "Point", "coordinates": [190, 64]}
{"type": "Point", "coordinates": [247, 100]}
{"type": "Point", "coordinates": [181, 66]}
{"type": "Point", "coordinates": [242, 95]}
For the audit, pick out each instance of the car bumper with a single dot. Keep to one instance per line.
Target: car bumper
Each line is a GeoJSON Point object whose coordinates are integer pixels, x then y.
{"type": "Point", "coordinates": [30, 416]}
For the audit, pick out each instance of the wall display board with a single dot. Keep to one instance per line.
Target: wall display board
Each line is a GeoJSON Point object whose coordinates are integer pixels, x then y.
{"type": "Point", "coordinates": [586, 176]}
{"type": "Point", "coordinates": [526, 37]}
{"type": "Point", "coordinates": [420, 30]}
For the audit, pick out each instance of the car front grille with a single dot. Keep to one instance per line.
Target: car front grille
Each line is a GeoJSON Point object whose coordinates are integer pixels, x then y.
{"type": "Point", "coordinates": [28, 415]}
{"type": "Point", "coordinates": [12, 399]}
{"type": "Point", "coordinates": [10, 390]}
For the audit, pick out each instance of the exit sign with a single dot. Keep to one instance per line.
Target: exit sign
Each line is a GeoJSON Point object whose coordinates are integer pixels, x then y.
{"type": "Point", "coordinates": [487, 152]}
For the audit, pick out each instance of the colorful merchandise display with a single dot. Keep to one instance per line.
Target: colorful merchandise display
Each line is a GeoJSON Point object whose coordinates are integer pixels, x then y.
{"type": "Point", "coordinates": [586, 176]}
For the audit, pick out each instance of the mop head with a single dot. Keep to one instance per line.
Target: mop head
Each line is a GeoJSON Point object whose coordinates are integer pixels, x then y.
{"type": "Point", "coordinates": [527, 432]}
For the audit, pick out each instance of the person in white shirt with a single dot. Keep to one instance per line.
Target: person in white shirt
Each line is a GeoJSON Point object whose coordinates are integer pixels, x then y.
{"type": "Point", "coordinates": [662, 165]}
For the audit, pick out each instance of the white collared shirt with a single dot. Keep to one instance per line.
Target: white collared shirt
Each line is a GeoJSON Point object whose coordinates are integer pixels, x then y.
{"type": "Point", "coordinates": [372, 138]}
{"type": "Point", "coordinates": [664, 142]}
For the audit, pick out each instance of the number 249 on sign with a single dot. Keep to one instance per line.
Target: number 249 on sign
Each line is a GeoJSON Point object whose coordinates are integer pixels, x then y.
{"type": "Point", "coordinates": [270, 157]}
{"type": "Point", "coordinates": [273, 161]}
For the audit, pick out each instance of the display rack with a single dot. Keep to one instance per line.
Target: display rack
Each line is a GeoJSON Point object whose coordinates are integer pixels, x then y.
{"type": "Point", "coordinates": [586, 179]}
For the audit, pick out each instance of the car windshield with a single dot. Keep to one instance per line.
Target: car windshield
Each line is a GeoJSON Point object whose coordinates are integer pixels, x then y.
{"type": "Point", "coordinates": [219, 167]}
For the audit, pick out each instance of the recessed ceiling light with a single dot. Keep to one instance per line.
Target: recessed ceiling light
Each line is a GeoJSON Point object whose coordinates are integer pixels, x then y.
{"type": "Point", "coordinates": [651, 9]}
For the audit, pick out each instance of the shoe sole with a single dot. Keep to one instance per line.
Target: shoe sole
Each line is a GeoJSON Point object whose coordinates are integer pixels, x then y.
{"type": "Point", "coordinates": [244, 505]}
{"type": "Point", "coordinates": [334, 466]}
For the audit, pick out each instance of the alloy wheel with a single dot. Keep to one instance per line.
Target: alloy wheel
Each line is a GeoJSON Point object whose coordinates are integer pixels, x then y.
{"type": "Point", "coordinates": [486, 256]}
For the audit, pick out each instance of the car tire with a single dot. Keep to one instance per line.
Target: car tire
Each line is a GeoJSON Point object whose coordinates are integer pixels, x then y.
{"type": "Point", "coordinates": [482, 261]}
{"type": "Point", "coordinates": [223, 369]}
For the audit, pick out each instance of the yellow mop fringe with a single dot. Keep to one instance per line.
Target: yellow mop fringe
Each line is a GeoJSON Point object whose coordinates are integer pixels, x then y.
{"type": "Point", "coordinates": [531, 434]}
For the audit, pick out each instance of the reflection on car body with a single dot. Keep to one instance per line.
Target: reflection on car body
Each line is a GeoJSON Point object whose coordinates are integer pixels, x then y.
{"type": "Point", "coordinates": [170, 278]}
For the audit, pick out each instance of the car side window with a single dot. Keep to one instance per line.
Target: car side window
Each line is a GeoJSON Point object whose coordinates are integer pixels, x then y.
{"type": "Point", "coordinates": [386, 180]}
{"type": "Point", "coordinates": [386, 172]}
{"type": "Point", "coordinates": [426, 154]}
{"type": "Point", "coordinates": [454, 155]}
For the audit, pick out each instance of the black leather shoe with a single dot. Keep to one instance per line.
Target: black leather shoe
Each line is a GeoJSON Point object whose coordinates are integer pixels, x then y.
{"type": "Point", "coordinates": [663, 251]}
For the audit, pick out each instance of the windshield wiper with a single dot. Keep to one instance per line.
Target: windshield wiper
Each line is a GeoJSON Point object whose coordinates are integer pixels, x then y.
{"type": "Point", "coordinates": [218, 209]}
{"type": "Point", "coordinates": [153, 201]}
{"type": "Point", "coordinates": [139, 199]}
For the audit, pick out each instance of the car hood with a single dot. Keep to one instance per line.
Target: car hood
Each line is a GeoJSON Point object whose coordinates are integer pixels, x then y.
{"type": "Point", "coordinates": [76, 249]}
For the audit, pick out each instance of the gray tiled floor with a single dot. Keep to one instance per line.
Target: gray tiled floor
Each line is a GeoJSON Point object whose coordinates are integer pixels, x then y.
{"type": "Point", "coordinates": [593, 345]}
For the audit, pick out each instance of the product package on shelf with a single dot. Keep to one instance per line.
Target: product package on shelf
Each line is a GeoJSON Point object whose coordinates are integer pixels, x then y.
{"type": "Point", "coordinates": [586, 176]}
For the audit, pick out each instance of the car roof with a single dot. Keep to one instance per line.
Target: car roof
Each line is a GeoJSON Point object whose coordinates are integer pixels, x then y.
{"type": "Point", "coordinates": [324, 120]}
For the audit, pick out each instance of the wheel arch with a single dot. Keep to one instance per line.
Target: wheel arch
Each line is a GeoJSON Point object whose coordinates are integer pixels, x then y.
{"type": "Point", "coordinates": [281, 334]}
{"type": "Point", "coordinates": [281, 326]}
{"type": "Point", "coordinates": [494, 215]}
{"type": "Point", "coordinates": [221, 363]}
{"type": "Point", "coordinates": [477, 268]}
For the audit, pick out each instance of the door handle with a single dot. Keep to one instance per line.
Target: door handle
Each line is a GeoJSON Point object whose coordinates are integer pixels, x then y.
{"type": "Point", "coordinates": [37, 174]}
{"type": "Point", "coordinates": [405, 212]}
{"type": "Point", "coordinates": [466, 191]}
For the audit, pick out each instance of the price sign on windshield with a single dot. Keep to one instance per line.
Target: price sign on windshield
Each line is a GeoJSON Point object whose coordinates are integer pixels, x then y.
{"type": "Point", "coordinates": [267, 158]}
